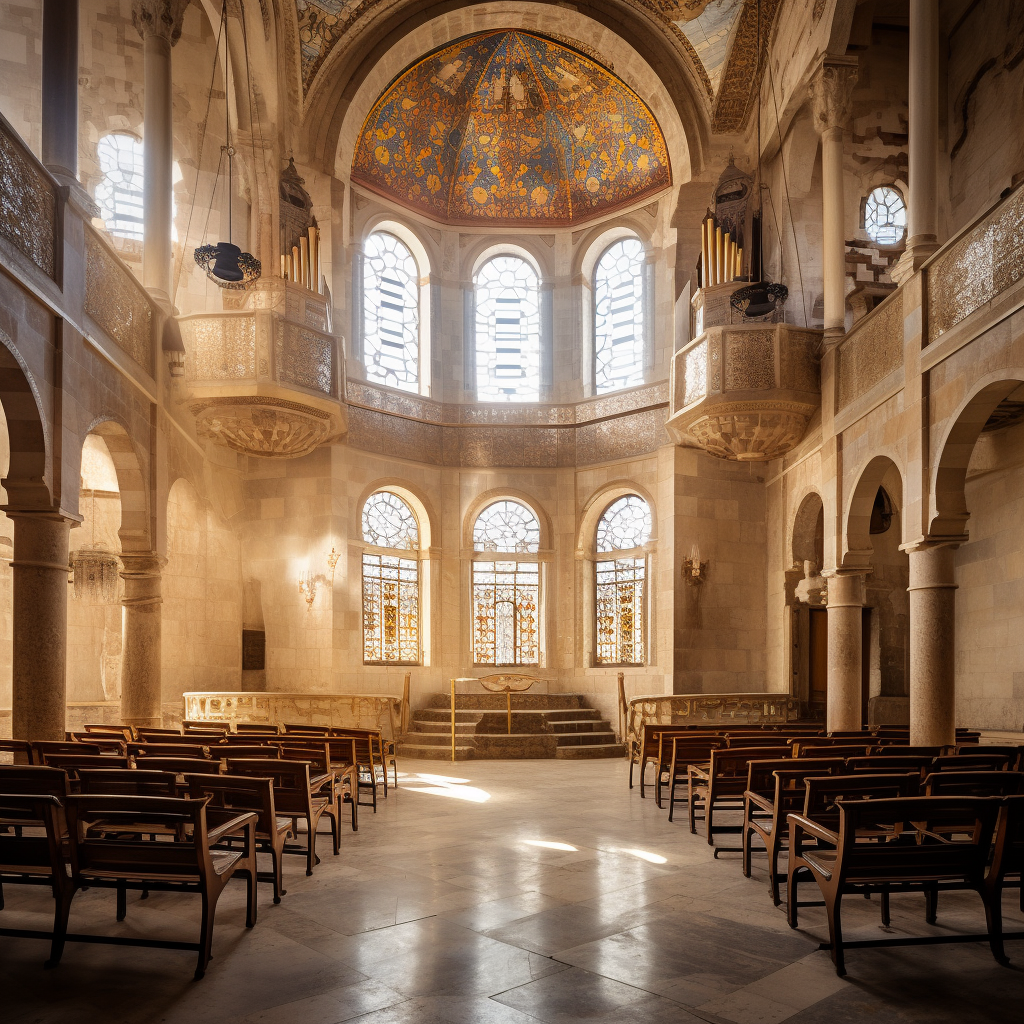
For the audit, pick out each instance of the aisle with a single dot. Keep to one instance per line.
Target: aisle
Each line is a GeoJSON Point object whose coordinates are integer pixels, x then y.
{"type": "Point", "coordinates": [504, 893]}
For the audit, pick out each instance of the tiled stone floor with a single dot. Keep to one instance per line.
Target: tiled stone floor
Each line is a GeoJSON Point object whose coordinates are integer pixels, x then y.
{"type": "Point", "coordinates": [447, 907]}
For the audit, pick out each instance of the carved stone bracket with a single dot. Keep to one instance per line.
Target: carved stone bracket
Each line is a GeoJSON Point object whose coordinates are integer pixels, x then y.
{"type": "Point", "coordinates": [159, 17]}
{"type": "Point", "coordinates": [832, 93]}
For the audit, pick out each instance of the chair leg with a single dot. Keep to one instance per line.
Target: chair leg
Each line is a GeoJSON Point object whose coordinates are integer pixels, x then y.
{"type": "Point", "coordinates": [206, 934]}
{"type": "Point", "coordinates": [884, 900]}
{"type": "Point", "coordinates": [931, 904]}
{"type": "Point", "coordinates": [1, 896]}
{"type": "Point", "coordinates": [671, 798]}
{"type": "Point", "coordinates": [994, 918]}
{"type": "Point", "coordinates": [310, 845]}
{"type": "Point", "coordinates": [251, 905]}
{"type": "Point", "coordinates": [709, 805]}
{"type": "Point", "coordinates": [630, 774]}
{"type": "Point", "coordinates": [122, 903]}
{"type": "Point", "coordinates": [336, 827]}
{"type": "Point", "coordinates": [691, 800]}
{"type": "Point", "coordinates": [835, 931]}
{"type": "Point", "coordinates": [746, 841]}
{"type": "Point", "coordinates": [643, 773]}
{"type": "Point", "coordinates": [791, 889]}
{"type": "Point", "coordinates": [61, 913]}
{"type": "Point", "coordinates": [277, 858]}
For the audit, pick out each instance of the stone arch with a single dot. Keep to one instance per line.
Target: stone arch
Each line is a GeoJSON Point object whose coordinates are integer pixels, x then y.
{"type": "Point", "coordinates": [949, 514]}
{"type": "Point", "coordinates": [808, 531]}
{"type": "Point", "coordinates": [506, 494]}
{"type": "Point", "coordinates": [858, 549]}
{"type": "Point", "coordinates": [596, 506]}
{"type": "Point", "coordinates": [135, 533]}
{"type": "Point", "coordinates": [25, 482]}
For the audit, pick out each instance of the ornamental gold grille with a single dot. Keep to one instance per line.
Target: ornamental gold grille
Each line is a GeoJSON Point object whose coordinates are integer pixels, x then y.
{"type": "Point", "coordinates": [391, 609]}
{"type": "Point", "coordinates": [620, 582]}
{"type": "Point", "coordinates": [505, 613]}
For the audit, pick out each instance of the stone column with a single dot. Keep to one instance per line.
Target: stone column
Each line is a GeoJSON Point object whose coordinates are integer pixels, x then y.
{"type": "Point", "coordinates": [40, 575]}
{"type": "Point", "coordinates": [60, 89]}
{"type": "Point", "coordinates": [845, 609]}
{"type": "Point", "coordinates": [923, 207]}
{"type": "Point", "coordinates": [932, 646]}
{"type": "Point", "coordinates": [159, 24]}
{"type": "Point", "coordinates": [140, 667]}
{"type": "Point", "coordinates": [832, 93]}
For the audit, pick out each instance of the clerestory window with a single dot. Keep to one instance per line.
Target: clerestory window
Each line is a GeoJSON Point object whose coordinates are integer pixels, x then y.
{"type": "Point", "coordinates": [507, 331]}
{"type": "Point", "coordinates": [119, 192]}
{"type": "Point", "coordinates": [391, 313]}
{"type": "Point", "coordinates": [619, 317]}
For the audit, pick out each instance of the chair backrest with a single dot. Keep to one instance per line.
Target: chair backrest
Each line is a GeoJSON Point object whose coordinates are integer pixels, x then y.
{"type": "Point", "coordinates": [1008, 848]}
{"type": "Point", "coordinates": [977, 783]}
{"type": "Point", "coordinates": [179, 765]}
{"type": "Point", "coordinates": [898, 748]}
{"type": "Point", "coordinates": [256, 729]}
{"type": "Point", "coordinates": [821, 795]}
{"type": "Point", "coordinates": [28, 853]}
{"type": "Point", "coordinates": [890, 763]}
{"type": "Point", "coordinates": [802, 750]}
{"type": "Point", "coordinates": [104, 851]}
{"type": "Point", "coordinates": [148, 749]}
{"type": "Point", "coordinates": [155, 734]}
{"type": "Point", "coordinates": [691, 749]}
{"type": "Point", "coordinates": [191, 739]}
{"type": "Point", "coordinates": [238, 792]}
{"type": "Point", "coordinates": [188, 727]}
{"type": "Point", "coordinates": [311, 730]}
{"type": "Point", "coordinates": [126, 732]}
{"type": "Point", "coordinates": [735, 763]}
{"type": "Point", "coordinates": [72, 763]}
{"type": "Point", "coordinates": [250, 749]}
{"type": "Point", "coordinates": [44, 747]}
{"type": "Point", "coordinates": [1015, 753]}
{"type": "Point", "coordinates": [24, 778]}
{"type": "Point", "coordinates": [291, 781]}
{"type": "Point", "coordinates": [342, 750]}
{"type": "Point", "coordinates": [128, 781]}
{"type": "Point", "coordinates": [316, 755]}
{"type": "Point", "coordinates": [108, 742]}
{"type": "Point", "coordinates": [957, 849]}
{"type": "Point", "coordinates": [972, 763]}
{"type": "Point", "coordinates": [762, 775]}
{"type": "Point", "coordinates": [757, 739]}
{"type": "Point", "coordinates": [19, 751]}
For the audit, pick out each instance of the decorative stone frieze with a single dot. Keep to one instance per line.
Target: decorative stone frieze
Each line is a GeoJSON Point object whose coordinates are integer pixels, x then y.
{"type": "Point", "coordinates": [832, 93]}
{"type": "Point", "coordinates": [162, 18]}
{"type": "Point", "coordinates": [872, 350]}
{"type": "Point", "coordinates": [745, 393]}
{"type": "Point", "coordinates": [28, 202]}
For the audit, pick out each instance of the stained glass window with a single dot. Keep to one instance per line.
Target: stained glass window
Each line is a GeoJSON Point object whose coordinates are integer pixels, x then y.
{"type": "Point", "coordinates": [391, 586]}
{"type": "Point", "coordinates": [391, 338]}
{"type": "Point", "coordinates": [619, 317]}
{"type": "Point", "coordinates": [119, 192]}
{"type": "Point", "coordinates": [885, 216]}
{"type": "Point", "coordinates": [505, 617]}
{"type": "Point", "coordinates": [620, 596]}
{"type": "Point", "coordinates": [506, 526]}
{"type": "Point", "coordinates": [388, 522]}
{"type": "Point", "coordinates": [507, 331]}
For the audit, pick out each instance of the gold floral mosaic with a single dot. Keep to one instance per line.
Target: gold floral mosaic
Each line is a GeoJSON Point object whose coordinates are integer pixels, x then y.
{"type": "Point", "coordinates": [514, 127]}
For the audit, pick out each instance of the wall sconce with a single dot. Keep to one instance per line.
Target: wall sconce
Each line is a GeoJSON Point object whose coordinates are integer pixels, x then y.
{"type": "Point", "coordinates": [332, 560]}
{"type": "Point", "coordinates": [694, 570]}
{"type": "Point", "coordinates": [307, 587]}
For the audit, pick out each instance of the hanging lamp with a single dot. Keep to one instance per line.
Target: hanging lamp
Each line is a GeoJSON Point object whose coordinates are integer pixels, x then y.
{"type": "Point", "coordinates": [224, 263]}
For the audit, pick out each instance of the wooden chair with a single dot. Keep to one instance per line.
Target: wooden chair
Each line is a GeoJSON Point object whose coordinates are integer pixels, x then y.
{"type": "Point", "coordinates": [1007, 862]}
{"type": "Point", "coordinates": [813, 750]}
{"type": "Point", "coordinates": [293, 797]}
{"type": "Point", "coordinates": [180, 765]}
{"type": "Point", "coordinates": [41, 748]}
{"type": "Point", "coordinates": [682, 752]}
{"type": "Point", "coordinates": [246, 793]}
{"type": "Point", "coordinates": [852, 859]}
{"type": "Point", "coordinates": [189, 728]}
{"type": "Point", "coordinates": [109, 743]}
{"type": "Point", "coordinates": [27, 858]}
{"type": "Point", "coordinates": [371, 750]}
{"type": "Point", "coordinates": [250, 749]}
{"type": "Point", "coordinates": [20, 751]}
{"type": "Point", "coordinates": [126, 732]}
{"type": "Point", "coordinates": [308, 730]}
{"type": "Point", "coordinates": [323, 781]}
{"type": "Point", "coordinates": [694, 739]}
{"type": "Point", "coordinates": [972, 763]}
{"type": "Point", "coordinates": [256, 729]}
{"type": "Point", "coordinates": [722, 783]}
{"type": "Point", "coordinates": [171, 735]}
{"type": "Point", "coordinates": [336, 756]}
{"type": "Point", "coordinates": [973, 784]}
{"type": "Point", "coordinates": [148, 749]}
{"type": "Point", "coordinates": [1015, 753]}
{"type": "Point", "coordinates": [890, 764]}
{"type": "Point", "coordinates": [30, 779]}
{"type": "Point", "coordinates": [648, 749]}
{"type": "Point", "coordinates": [102, 859]}
{"type": "Point", "coordinates": [73, 763]}
{"type": "Point", "coordinates": [774, 789]}
{"type": "Point", "coordinates": [127, 782]}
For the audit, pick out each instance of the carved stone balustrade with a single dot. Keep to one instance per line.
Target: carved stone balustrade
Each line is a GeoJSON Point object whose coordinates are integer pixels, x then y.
{"type": "Point", "coordinates": [266, 381]}
{"type": "Point", "coordinates": [745, 392]}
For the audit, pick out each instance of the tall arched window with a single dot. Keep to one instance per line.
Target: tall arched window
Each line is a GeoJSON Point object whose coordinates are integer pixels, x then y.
{"type": "Point", "coordinates": [391, 583]}
{"type": "Point", "coordinates": [507, 331]}
{"type": "Point", "coordinates": [506, 591]}
{"type": "Point", "coordinates": [619, 317]}
{"type": "Point", "coordinates": [119, 193]}
{"type": "Point", "coordinates": [391, 312]}
{"type": "Point", "coordinates": [622, 532]}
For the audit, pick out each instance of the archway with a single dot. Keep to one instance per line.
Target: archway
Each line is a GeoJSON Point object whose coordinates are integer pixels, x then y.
{"type": "Point", "coordinates": [805, 603]}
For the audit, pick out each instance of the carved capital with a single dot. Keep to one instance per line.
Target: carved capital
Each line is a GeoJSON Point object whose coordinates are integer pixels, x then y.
{"type": "Point", "coordinates": [161, 18]}
{"type": "Point", "coordinates": [832, 93]}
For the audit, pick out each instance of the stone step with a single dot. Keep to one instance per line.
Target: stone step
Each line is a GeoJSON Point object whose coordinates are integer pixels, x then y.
{"type": "Point", "coordinates": [466, 715]}
{"type": "Point", "coordinates": [585, 739]}
{"type": "Point", "coordinates": [497, 701]}
{"type": "Point", "coordinates": [591, 751]}
{"type": "Point", "coordinates": [435, 753]}
{"type": "Point", "coordinates": [418, 725]}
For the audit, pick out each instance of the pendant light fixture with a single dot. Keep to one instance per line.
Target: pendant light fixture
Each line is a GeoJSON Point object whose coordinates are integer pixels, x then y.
{"type": "Point", "coordinates": [224, 263]}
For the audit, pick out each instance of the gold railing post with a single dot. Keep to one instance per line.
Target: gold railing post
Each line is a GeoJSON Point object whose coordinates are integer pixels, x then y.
{"type": "Point", "coordinates": [508, 694]}
{"type": "Point", "coordinates": [453, 719]}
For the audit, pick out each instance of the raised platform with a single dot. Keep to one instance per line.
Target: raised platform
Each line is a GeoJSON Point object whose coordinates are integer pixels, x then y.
{"type": "Point", "coordinates": [544, 725]}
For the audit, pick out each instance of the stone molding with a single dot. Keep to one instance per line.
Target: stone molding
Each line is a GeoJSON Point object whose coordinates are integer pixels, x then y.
{"type": "Point", "coordinates": [832, 93]}
{"type": "Point", "coordinates": [161, 18]}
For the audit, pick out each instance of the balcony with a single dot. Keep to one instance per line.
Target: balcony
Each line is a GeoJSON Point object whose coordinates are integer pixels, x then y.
{"type": "Point", "coordinates": [745, 392]}
{"type": "Point", "coordinates": [266, 381]}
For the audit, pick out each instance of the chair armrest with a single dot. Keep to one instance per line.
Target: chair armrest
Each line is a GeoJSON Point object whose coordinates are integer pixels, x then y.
{"type": "Point", "coordinates": [317, 782]}
{"type": "Point", "coordinates": [759, 800]}
{"type": "Point", "coordinates": [233, 825]}
{"type": "Point", "coordinates": [812, 828]}
{"type": "Point", "coordinates": [698, 772]}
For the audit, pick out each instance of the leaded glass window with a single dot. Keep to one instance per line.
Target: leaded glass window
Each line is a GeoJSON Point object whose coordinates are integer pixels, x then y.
{"type": "Point", "coordinates": [388, 522]}
{"type": "Point", "coordinates": [506, 624]}
{"type": "Point", "coordinates": [506, 526]}
{"type": "Point", "coordinates": [885, 216]}
{"type": "Point", "coordinates": [391, 333]}
{"type": "Point", "coordinates": [507, 331]}
{"type": "Point", "coordinates": [619, 317]}
{"type": "Point", "coordinates": [391, 585]}
{"type": "Point", "coordinates": [620, 598]}
{"type": "Point", "coordinates": [119, 192]}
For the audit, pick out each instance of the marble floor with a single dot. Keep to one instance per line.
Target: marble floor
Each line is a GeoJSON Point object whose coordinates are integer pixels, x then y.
{"type": "Point", "coordinates": [508, 893]}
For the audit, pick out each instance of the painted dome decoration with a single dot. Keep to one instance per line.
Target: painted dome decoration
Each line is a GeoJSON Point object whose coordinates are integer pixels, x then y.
{"type": "Point", "coordinates": [510, 127]}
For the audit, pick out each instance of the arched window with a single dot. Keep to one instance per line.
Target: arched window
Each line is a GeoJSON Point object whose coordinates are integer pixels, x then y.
{"type": "Point", "coordinates": [885, 216]}
{"type": "Point", "coordinates": [507, 331]}
{"type": "Point", "coordinates": [506, 592]}
{"type": "Point", "coordinates": [391, 312]}
{"type": "Point", "coordinates": [391, 583]}
{"type": "Point", "coordinates": [621, 603]}
{"type": "Point", "coordinates": [119, 193]}
{"type": "Point", "coordinates": [619, 317]}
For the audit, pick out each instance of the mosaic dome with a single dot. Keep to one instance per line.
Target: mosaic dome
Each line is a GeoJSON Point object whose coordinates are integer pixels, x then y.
{"type": "Point", "coordinates": [510, 127]}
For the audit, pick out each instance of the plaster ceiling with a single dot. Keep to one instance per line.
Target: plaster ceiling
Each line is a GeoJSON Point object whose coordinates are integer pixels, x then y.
{"type": "Point", "coordinates": [510, 127]}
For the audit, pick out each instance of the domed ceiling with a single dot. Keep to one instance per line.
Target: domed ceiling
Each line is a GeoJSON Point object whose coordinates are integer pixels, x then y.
{"type": "Point", "coordinates": [510, 127]}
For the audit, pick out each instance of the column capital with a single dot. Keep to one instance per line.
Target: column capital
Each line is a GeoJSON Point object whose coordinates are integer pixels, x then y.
{"type": "Point", "coordinates": [832, 92]}
{"type": "Point", "coordinates": [161, 18]}
{"type": "Point", "coordinates": [137, 564]}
